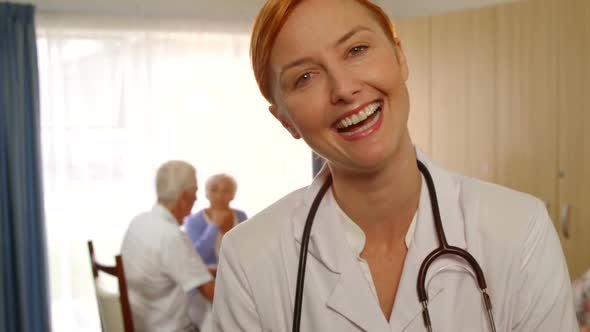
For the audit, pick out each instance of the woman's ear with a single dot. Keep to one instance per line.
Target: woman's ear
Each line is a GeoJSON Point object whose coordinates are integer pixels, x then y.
{"type": "Point", "coordinates": [401, 59]}
{"type": "Point", "coordinates": [284, 120]}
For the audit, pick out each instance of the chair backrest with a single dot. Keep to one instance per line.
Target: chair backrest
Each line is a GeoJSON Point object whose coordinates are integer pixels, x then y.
{"type": "Point", "coordinates": [114, 309]}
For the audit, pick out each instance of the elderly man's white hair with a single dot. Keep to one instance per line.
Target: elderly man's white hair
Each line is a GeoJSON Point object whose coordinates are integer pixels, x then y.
{"type": "Point", "coordinates": [173, 178]}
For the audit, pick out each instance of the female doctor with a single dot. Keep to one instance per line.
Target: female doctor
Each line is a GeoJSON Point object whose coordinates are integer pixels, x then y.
{"type": "Point", "coordinates": [334, 73]}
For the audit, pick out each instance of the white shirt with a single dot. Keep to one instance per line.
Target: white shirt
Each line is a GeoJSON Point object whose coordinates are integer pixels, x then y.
{"type": "Point", "coordinates": [161, 268]}
{"type": "Point", "coordinates": [509, 233]}
{"type": "Point", "coordinates": [356, 239]}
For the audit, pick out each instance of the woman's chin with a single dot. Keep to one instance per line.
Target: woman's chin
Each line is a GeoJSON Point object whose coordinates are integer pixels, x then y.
{"type": "Point", "coordinates": [361, 166]}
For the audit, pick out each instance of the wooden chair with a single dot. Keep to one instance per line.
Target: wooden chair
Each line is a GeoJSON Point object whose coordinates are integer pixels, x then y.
{"type": "Point", "coordinates": [114, 309]}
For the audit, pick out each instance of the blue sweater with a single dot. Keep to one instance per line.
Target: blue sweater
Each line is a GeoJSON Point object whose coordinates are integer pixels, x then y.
{"type": "Point", "coordinates": [204, 235]}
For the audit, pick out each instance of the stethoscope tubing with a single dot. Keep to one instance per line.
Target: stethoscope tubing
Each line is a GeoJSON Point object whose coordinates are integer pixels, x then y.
{"type": "Point", "coordinates": [303, 252]}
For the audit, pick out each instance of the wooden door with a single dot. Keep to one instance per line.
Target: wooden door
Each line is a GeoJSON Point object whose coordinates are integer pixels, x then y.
{"type": "Point", "coordinates": [527, 100]}
{"type": "Point", "coordinates": [574, 139]}
{"type": "Point", "coordinates": [415, 38]}
{"type": "Point", "coordinates": [463, 95]}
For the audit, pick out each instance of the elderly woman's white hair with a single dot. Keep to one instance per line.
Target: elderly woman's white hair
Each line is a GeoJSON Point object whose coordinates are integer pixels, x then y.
{"type": "Point", "coordinates": [173, 178]}
{"type": "Point", "coordinates": [222, 177]}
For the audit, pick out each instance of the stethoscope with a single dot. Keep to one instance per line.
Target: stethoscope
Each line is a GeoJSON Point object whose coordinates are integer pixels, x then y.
{"type": "Point", "coordinates": [443, 249]}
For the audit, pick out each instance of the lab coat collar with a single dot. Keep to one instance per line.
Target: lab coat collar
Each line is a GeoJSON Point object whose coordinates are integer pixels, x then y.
{"type": "Point", "coordinates": [448, 192]}
{"type": "Point", "coordinates": [327, 237]}
{"type": "Point", "coordinates": [328, 245]}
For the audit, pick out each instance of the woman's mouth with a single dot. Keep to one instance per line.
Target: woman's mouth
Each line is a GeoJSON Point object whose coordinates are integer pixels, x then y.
{"type": "Point", "coordinates": [362, 123]}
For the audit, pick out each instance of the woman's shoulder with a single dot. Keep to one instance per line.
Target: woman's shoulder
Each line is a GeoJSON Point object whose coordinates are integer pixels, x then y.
{"type": "Point", "coordinates": [262, 229]}
{"type": "Point", "coordinates": [498, 200]}
{"type": "Point", "coordinates": [196, 218]}
{"type": "Point", "coordinates": [241, 215]}
{"type": "Point", "coordinates": [501, 212]}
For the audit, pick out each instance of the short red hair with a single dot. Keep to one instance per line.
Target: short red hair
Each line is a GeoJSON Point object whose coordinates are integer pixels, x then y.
{"type": "Point", "coordinates": [268, 23]}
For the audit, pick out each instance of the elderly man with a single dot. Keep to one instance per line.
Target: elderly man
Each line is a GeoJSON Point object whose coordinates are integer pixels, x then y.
{"type": "Point", "coordinates": [163, 270]}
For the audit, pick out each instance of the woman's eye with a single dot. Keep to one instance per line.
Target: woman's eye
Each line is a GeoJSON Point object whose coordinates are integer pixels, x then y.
{"type": "Point", "coordinates": [301, 80]}
{"type": "Point", "coordinates": [357, 50]}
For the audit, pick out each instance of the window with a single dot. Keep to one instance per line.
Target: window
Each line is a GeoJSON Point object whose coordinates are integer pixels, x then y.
{"type": "Point", "coordinates": [115, 104]}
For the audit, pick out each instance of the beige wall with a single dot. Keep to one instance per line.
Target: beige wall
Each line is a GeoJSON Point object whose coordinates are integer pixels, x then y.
{"type": "Point", "coordinates": [503, 94]}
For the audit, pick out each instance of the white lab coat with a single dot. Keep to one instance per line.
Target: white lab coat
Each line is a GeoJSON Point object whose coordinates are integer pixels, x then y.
{"type": "Point", "coordinates": [509, 233]}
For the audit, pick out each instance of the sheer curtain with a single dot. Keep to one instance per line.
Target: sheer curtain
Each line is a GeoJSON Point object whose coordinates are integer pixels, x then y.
{"type": "Point", "coordinates": [118, 98]}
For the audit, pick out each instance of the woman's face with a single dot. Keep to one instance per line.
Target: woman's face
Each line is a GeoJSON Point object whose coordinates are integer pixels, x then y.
{"type": "Point", "coordinates": [220, 193]}
{"type": "Point", "coordinates": [339, 84]}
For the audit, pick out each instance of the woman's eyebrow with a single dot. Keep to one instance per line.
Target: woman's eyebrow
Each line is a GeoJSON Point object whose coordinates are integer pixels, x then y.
{"type": "Point", "coordinates": [293, 64]}
{"type": "Point", "coordinates": [351, 33]}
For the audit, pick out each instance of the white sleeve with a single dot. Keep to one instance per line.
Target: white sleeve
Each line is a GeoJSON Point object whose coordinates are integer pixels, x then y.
{"type": "Point", "coordinates": [233, 308]}
{"type": "Point", "coordinates": [544, 299]}
{"type": "Point", "coordinates": [182, 262]}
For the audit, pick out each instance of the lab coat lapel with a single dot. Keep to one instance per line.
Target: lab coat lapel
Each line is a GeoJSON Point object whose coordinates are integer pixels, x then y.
{"type": "Point", "coordinates": [351, 295]}
{"type": "Point", "coordinates": [353, 298]}
{"type": "Point", "coordinates": [407, 307]}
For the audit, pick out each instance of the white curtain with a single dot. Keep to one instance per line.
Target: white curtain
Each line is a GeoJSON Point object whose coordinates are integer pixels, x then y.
{"type": "Point", "coordinates": [118, 98]}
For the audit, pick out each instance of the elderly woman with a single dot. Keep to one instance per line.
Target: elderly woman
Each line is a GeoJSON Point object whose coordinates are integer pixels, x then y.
{"type": "Point", "coordinates": [396, 240]}
{"type": "Point", "coordinates": [207, 227]}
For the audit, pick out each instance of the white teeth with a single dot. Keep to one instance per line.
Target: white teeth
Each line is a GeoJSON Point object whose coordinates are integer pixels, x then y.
{"type": "Point", "coordinates": [358, 117]}
{"type": "Point", "coordinates": [364, 127]}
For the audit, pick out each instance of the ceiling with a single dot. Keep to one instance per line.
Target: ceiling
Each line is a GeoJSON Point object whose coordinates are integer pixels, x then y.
{"type": "Point", "coordinates": [237, 11]}
{"type": "Point", "coordinates": [413, 8]}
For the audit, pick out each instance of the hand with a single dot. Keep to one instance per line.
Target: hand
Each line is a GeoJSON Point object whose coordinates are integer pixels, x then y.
{"type": "Point", "coordinates": [224, 219]}
{"type": "Point", "coordinates": [213, 270]}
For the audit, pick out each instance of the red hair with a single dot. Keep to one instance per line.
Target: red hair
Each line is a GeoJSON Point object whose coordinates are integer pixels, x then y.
{"type": "Point", "coordinates": [269, 21]}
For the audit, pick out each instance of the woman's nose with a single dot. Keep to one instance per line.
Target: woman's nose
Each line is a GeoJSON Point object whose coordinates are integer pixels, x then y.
{"type": "Point", "coordinates": [344, 85]}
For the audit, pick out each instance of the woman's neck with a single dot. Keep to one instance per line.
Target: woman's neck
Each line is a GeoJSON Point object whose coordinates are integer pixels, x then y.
{"type": "Point", "coordinates": [218, 208]}
{"type": "Point", "coordinates": [382, 203]}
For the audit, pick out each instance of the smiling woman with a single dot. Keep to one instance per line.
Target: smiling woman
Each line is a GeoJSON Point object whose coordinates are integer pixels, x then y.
{"type": "Point", "coordinates": [352, 251]}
